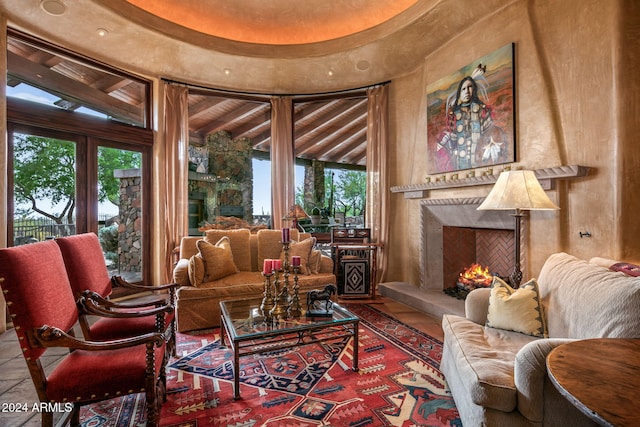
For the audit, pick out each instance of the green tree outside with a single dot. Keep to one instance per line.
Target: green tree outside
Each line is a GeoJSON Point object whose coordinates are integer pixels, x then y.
{"type": "Point", "coordinates": [45, 173]}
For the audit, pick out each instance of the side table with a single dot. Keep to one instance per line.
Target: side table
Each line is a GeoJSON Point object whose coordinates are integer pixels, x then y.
{"type": "Point", "coordinates": [601, 377]}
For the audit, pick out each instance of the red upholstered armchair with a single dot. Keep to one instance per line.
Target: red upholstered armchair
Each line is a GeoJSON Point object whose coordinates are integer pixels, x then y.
{"type": "Point", "coordinates": [89, 278]}
{"type": "Point", "coordinates": [44, 311]}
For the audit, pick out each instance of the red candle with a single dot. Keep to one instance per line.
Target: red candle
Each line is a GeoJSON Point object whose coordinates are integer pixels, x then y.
{"type": "Point", "coordinates": [295, 261]}
{"type": "Point", "coordinates": [267, 266]}
{"type": "Point", "coordinates": [277, 264]}
{"type": "Point", "coordinates": [285, 235]}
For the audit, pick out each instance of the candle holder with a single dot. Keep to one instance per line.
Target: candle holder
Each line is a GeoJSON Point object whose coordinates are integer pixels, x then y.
{"type": "Point", "coordinates": [295, 309]}
{"type": "Point", "coordinates": [279, 310]}
{"type": "Point", "coordinates": [286, 268]}
{"type": "Point", "coordinates": [268, 301]}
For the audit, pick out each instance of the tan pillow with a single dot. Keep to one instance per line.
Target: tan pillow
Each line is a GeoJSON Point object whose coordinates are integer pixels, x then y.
{"type": "Point", "coordinates": [181, 273]}
{"type": "Point", "coordinates": [270, 244]}
{"type": "Point", "coordinates": [303, 250]}
{"type": "Point", "coordinates": [218, 259]}
{"type": "Point", "coordinates": [314, 261]}
{"type": "Point", "coordinates": [196, 270]}
{"type": "Point", "coordinates": [516, 310]}
{"type": "Point", "coordinates": [240, 245]}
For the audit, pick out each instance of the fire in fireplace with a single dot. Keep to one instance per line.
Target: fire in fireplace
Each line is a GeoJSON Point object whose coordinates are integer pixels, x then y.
{"type": "Point", "coordinates": [472, 277]}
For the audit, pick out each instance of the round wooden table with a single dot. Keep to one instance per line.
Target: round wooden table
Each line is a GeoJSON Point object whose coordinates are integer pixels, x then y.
{"type": "Point", "coordinates": [601, 377]}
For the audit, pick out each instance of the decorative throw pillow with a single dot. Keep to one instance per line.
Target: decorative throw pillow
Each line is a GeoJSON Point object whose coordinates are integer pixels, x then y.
{"type": "Point", "coordinates": [303, 250]}
{"type": "Point", "coordinates": [196, 270]}
{"type": "Point", "coordinates": [218, 259]}
{"type": "Point", "coordinates": [314, 261]}
{"type": "Point", "coordinates": [516, 310]}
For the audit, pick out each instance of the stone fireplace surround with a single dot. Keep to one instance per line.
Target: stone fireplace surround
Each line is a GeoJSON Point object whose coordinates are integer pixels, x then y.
{"type": "Point", "coordinates": [434, 215]}
{"type": "Point", "coordinates": [461, 212]}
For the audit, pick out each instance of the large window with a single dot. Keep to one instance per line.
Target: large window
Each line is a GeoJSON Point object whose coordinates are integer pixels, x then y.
{"type": "Point", "coordinates": [229, 153]}
{"type": "Point", "coordinates": [84, 169]}
{"type": "Point", "coordinates": [330, 138]}
{"type": "Point", "coordinates": [229, 161]}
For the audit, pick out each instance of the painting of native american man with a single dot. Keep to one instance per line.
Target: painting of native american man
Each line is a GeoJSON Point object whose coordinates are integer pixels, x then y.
{"type": "Point", "coordinates": [470, 115]}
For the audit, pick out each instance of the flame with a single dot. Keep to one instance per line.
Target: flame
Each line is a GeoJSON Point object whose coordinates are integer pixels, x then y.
{"type": "Point", "coordinates": [476, 275]}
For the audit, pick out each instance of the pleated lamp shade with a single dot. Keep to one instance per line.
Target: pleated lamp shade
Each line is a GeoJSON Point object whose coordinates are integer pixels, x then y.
{"type": "Point", "coordinates": [518, 189]}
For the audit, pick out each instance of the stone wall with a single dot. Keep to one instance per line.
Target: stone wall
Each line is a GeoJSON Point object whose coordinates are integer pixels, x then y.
{"type": "Point", "coordinates": [130, 220]}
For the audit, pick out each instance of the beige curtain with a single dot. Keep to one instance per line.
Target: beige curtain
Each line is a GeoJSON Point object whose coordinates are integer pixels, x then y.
{"type": "Point", "coordinates": [171, 179]}
{"type": "Point", "coordinates": [4, 153]}
{"type": "Point", "coordinates": [377, 207]}
{"type": "Point", "coordinates": [282, 159]}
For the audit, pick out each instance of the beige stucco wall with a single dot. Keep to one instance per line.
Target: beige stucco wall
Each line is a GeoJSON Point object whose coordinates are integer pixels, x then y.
{"type": "Point", "coordinates": [576, 96]}
{"type": "Point", "coordinates": [571, 110]}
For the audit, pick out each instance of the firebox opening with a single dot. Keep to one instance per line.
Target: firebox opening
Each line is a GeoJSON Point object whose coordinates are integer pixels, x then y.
{"type": "Point", "coordinates": [463, 247]}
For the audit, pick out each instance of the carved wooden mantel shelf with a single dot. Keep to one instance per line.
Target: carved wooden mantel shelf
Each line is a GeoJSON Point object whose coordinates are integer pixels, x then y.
{"type": "Point", "coordinates": [546, 176]}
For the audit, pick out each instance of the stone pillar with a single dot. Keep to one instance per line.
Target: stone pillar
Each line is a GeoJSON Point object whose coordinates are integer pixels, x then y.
{"type": "Point", "coordinates": [314, 185]}
{"type": "Point", "coordinates": [130, 220]}
{"type": "Point", "coordinates": [230, 161]}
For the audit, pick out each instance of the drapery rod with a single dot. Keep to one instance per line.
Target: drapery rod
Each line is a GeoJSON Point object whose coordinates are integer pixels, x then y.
{"type": "Point", "coordinates": [267, 95]}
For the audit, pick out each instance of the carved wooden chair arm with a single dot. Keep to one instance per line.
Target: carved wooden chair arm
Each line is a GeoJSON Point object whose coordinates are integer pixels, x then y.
{"type": "Point", "coordinates": [171, 287]}
{"type": "Point", "coordinates": [92, 303]}
{"type": "Point", "coordinates": [49, 336]}
{"type": "Point", "coordinates": [107, 303]}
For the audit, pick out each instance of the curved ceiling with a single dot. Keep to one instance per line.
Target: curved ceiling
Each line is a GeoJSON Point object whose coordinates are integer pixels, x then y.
{"type": "Point", "coordinates": [276, 22]}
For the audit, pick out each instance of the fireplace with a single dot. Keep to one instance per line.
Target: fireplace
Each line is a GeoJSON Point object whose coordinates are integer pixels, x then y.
{"type": "Point", "coordinates": [454, 234]}
{"type": "Point", "coordinates": [464, 246]}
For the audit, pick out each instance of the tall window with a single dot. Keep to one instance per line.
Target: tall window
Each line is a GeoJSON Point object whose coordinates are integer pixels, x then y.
{"type": "Point", "coordinates": [330, 137]}
{"type": "Point", "coordinates": [229, 161]}
{"type": "Point", "coordinates": [83, 169]}
{"type": "Point", "coordinates": [226, 130]}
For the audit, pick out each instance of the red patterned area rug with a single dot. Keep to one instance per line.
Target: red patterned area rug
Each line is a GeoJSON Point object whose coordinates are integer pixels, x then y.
{"type": "Point", "coordinates": [398, 383]}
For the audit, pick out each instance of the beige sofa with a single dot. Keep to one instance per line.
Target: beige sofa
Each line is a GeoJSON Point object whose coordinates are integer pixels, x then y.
{"type": "Point", "coordinates": [198, 307]}
{"type": "Point", "coordinates": [499, 378]}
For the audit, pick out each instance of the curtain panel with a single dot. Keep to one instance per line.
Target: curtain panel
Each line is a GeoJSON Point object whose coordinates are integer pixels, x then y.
{"type": "Point", "coordinates": [171, 179]}
{"type": "Point", "coordinates": [377, 205]}
{"type": "Point", "coordinates": [282, 160]}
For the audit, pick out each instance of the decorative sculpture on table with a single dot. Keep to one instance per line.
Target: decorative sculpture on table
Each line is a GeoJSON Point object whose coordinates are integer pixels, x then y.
{"type": "Point", "coordinates": [315, 299]}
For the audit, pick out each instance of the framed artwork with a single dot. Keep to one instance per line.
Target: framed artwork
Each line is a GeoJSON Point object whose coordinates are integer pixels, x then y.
{"type": "Point", "coordinates": [470, 115]}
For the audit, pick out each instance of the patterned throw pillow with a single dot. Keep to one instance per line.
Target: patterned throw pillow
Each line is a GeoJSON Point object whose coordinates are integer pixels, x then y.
{"type": "Point", "coordinates": [516, 310]}
{"type": "Point", "coordinates": [303, 250]}
{"type": "Point", "coordinates": [218, 259]}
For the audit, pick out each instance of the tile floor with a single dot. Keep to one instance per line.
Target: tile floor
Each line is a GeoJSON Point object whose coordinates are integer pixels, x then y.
{"type": "Point", "coordinates": [16, 385]}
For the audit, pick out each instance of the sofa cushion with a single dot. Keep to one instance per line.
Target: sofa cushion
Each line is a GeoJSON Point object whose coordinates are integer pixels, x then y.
{"type": "Point", "coordinates": [196, 270]}
{"type": "Point", "coordinates": [181, 272]}
{"type": "Point", "coordinates": [240, 245]}
{"type": "Point", "coordinates": [516, 310]}
{"type": "Point", "coordinates": [303, 250]}
{"type": "Point", "coordinates": [218, 259]}
{"type": "Point", "coordinates": [270, 244]}
{"type": "Point", "coordinates": [485, 359]}
{"type": "Point", "coordinates": [569, 285]}
{"type": "Point", "coordinates": [314, 261]}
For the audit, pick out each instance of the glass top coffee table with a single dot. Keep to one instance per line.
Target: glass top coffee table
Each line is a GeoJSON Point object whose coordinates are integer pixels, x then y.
{"type": "Point", "coordinates": [248, 333]}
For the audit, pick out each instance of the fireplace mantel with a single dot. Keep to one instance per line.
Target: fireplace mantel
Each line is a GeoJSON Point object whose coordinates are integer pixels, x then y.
{"type": "Point", "coordinates": [546, 176]}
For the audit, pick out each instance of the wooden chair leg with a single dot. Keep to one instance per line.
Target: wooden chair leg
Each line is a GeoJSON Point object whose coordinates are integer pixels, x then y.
{"type": "Point", "coordinates": [75, 415]}
{"type": "Point", "coordinates": [47, 419]}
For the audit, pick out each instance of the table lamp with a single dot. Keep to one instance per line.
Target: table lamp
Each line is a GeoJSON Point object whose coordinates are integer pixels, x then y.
{"type": "Point", "coordinates": [296, 213]}
{"type": "Point", "coordinates": [519, 191]}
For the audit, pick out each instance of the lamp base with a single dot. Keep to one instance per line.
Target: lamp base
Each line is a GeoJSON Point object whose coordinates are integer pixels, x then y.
{"type": "Point", "coordinates": [515, 279]}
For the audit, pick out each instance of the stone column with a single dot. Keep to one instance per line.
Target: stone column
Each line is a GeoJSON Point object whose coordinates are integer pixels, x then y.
{"type": "Point", "coordinates": [130, 217]}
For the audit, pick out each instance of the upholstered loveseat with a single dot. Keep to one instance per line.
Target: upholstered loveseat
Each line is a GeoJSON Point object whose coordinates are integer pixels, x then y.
{"type": "Point", "coordinates": [498, 377]}
{"type": "Point", "coordinates": [198, 298]}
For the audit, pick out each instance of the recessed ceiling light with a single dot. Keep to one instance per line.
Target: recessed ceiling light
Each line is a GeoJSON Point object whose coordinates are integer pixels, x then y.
{"type": "Point", "coordinates": [53, 7]}
{"type": "Point", "coordinates": [330, 73]}
{"type": "Point", "coordinates": [227, 71]}
{"type": "Point", "coordinates": [102, 32]}
{"type": "Point", "coordinates": [362, 65]}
